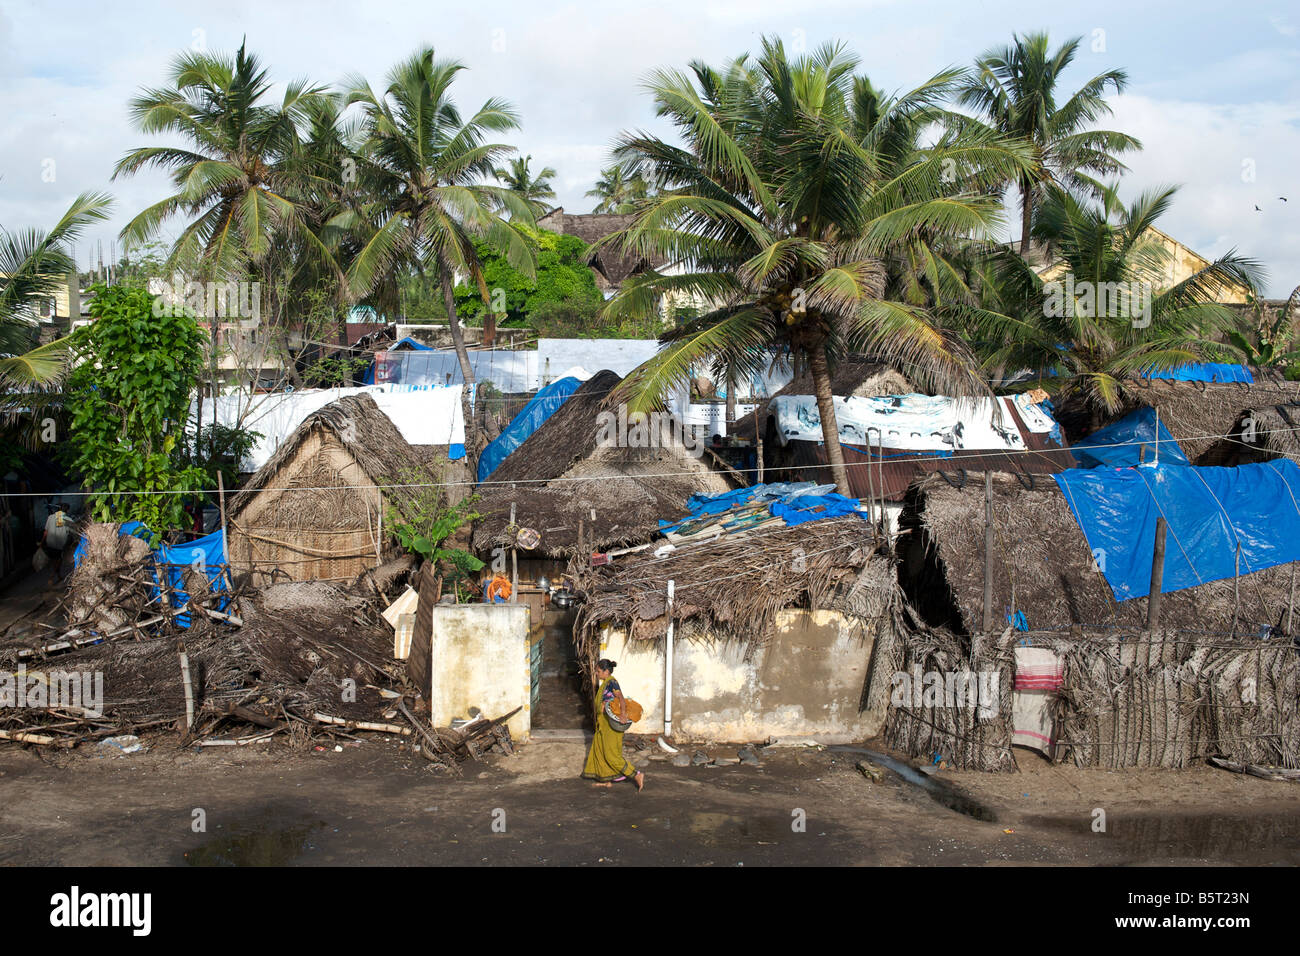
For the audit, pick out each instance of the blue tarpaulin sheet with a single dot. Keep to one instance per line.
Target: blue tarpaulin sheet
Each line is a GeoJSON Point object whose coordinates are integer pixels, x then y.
{"type": "Point", "coordinates": [206, 554]}
{"type": "Point", "coordinates": [1210, 511]}
{"type": "Point", "coordinates": [1120, 443]}
{"type": "Point", "coordinates": [796, 502]}
{"type": "Point", "coordinates": [1204, 372]}
{"type": "Point", "coordinates": [539, 408]}
{"type": "Point", "coordinates": [410, 343]}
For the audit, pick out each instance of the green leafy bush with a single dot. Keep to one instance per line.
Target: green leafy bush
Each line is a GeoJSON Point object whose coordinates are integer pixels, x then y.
{"type": "Point", "coordinates": [128, 396]}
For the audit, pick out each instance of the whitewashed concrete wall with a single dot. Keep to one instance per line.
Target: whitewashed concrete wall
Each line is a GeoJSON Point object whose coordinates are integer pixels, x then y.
{"type": "Point", "coordinates": [808, 681]}
{"type": "Point", "coordinates": [480, 659]}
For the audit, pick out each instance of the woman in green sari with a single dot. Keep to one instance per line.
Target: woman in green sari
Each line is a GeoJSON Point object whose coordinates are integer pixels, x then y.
{"type": "Point", "coordinates": [606, 764]}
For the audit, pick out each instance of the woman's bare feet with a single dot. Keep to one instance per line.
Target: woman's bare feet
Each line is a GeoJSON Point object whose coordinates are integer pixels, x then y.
{"type": "Point", "coordinates": [640, 780]}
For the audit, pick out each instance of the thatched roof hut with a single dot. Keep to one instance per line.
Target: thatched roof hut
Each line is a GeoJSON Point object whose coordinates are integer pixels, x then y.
{"type": "Point", "coordinates": [564, 479]}
{"type": "Point", "coordinates": [734, 585]}
{"type": "Point", "coordinates": [1259, 434]}
{"type": "Point", "coordinates": [1043, 556]}
{"type": "Point", "coordinates": [1197, 414]}
{"type": "Point", "coordinates": [317, 509]}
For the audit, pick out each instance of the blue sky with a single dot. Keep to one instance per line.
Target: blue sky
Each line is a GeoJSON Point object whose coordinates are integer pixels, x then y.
{"type": "Point", "coordinates": [1214, 92]}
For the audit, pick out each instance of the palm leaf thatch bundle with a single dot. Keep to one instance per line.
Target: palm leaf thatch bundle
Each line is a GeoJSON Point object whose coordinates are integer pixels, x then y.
{"type": "Point", "coordinates": [733, 587]}
{"type": "Point", "coordinates": [109, 589]}
{"type": "Point", "coordinates": [1044, 567]}
{"type": "Point", "coordinates": [964, 736]}
{"type": "Point", "coordinates": [564, 478]}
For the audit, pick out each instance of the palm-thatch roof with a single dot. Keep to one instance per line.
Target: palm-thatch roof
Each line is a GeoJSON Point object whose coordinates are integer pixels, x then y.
{"type": "Point", "coordinates": [368, 435]}
{"type": "Point", "coordinates": [734, 585]}
{"type": "Point", "coordinates": [1259, 434]}
{"type": "Point", "coordinates": [562, 480]}
{"type": "Point", "coordinates": [1043, 556]}
{"type": "Point", "coordinates": [1197, 414]}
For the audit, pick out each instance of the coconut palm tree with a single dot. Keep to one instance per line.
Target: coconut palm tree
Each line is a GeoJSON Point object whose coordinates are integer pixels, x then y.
{"type": "Point", "coordinates": [1101, 319]}
{"type": "Point", "coordinates": [34, 265]}
{"type": "Point", "coordinates": [619, 188]}
{"type": "Point", "coordinates": [1014, 88]}
{"type": "Point", "coordinates": [533, 189]}
{"type": "Point", "coordinates": [781, 210]}
{"type": "Point", "coordinates": [239, 178]}
{"type": "Point", "coordinates": [424, 198]}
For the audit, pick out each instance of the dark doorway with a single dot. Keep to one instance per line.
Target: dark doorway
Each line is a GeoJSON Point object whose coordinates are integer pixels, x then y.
{"type": "Point", "coordinates": [561, 702]}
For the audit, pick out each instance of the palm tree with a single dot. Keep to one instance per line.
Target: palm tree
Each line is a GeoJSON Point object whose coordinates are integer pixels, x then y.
{"type": "Point", "coordinates": [1014, 88]}
{"type": "Point", "coordinates": [424, 199]}
{"type": "Point", "coordinates": [782, 209]}
{"type": "Point", "coordinates": [34, 265]}
{"type": "Point", "coordinates": [532, 189]}
{"type": "Point", "coordinates": [619, 188]}
{"type": "Point", "coordinates": [238, 181]}
{"type": "Point", "coordinates": [1101, 320]}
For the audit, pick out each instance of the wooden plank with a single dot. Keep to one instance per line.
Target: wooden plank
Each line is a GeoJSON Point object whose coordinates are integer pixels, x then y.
{"type": "Point", "coordinates": [419, 666]}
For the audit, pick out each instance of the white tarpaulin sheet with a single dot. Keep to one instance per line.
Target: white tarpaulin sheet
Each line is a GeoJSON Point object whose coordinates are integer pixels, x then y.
{"type": "Point", "coordinates": [428, 415]}
{"type": "Point", "coordinates": [915, 422]}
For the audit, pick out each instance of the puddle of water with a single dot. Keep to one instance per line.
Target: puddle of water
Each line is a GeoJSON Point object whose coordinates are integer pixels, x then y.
{"type": "Point", "coordinates": [256, 846]}
{"type": "Point", "coordinates": [1215, 837]}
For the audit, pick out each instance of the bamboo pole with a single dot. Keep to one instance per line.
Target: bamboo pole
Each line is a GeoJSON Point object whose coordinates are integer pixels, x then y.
{"type": "Point", "coordinates": [362, 725]}
{"type": "Point", "coordinates": [221, 506]}
{"type": "Point", "coordinates": [23, 737]}
{"type": "Point", "coordinates": [189, 688]}
{"type": "Point", "coordinates": [514, 558]}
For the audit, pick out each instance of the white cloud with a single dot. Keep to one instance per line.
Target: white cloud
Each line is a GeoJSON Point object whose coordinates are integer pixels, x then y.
{"type": "Point", "coordinates": [1203, 147]}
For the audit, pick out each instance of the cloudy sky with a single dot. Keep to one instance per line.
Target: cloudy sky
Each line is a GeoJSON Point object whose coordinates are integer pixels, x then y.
{"type": "Point", "coordinates": [1214, 91]}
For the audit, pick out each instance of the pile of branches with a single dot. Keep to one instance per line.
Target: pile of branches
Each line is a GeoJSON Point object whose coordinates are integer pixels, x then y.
{"type": "Point", "coordinates": [302, 660]}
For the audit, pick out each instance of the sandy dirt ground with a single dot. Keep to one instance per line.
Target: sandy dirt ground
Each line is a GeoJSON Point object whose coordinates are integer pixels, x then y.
{"type": "Point", "coordinates": [374, 803]}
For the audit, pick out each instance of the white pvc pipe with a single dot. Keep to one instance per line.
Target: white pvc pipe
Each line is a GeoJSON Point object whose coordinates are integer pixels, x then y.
{"type": "Point", "coordinates": [668, 667]}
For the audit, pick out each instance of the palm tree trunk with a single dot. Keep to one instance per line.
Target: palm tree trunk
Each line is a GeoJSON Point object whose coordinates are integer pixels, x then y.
{"type": "Point", "coordinates": [453, 323]}
{"type": "Point", "coordinates": [472, 448]}
{"type": "Point", "coordinates": [1026, 218]}
{"type": "Point", "coordinates": [830, 427]}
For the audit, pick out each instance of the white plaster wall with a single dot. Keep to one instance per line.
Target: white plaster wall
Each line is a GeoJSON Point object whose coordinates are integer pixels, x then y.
{"type": "Point", "coordinates": [480, 659]}
{"type": "Point", "coordinates": [808, 681]}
